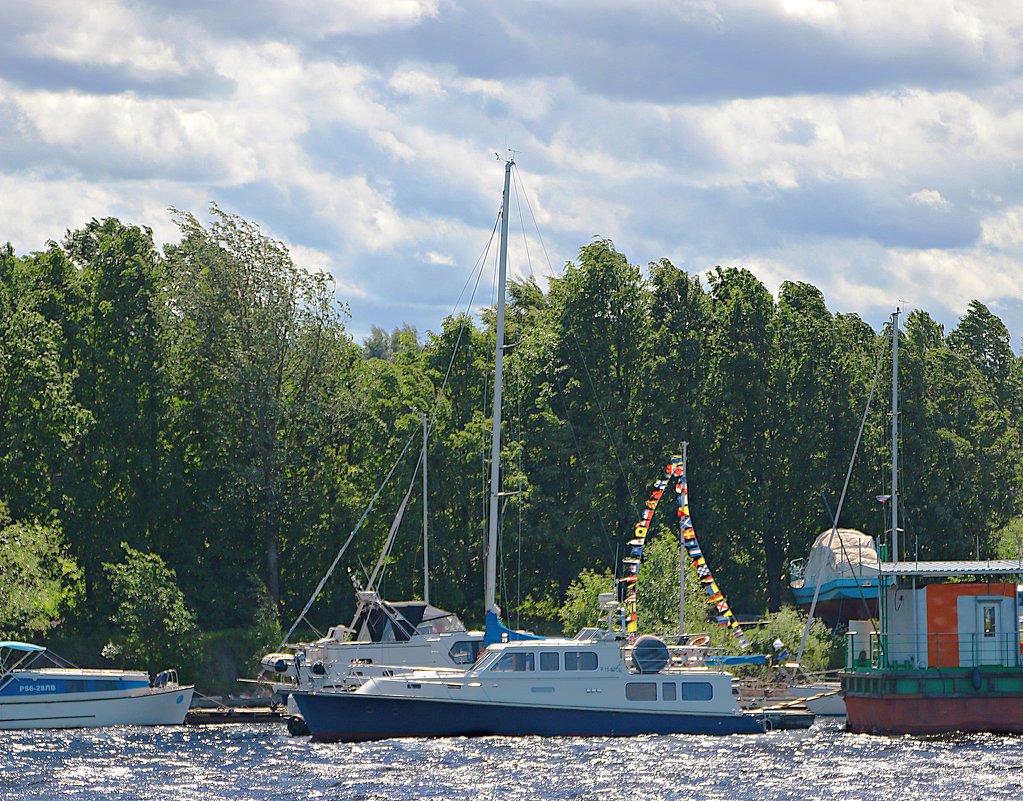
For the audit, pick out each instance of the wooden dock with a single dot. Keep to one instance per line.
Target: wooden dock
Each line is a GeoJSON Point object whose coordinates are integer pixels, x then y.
{"type": "Point", "coordinates": [202, 716]}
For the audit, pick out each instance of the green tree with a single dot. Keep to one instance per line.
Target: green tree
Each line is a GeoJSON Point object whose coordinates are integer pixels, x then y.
{"type": "Point", "coordinates": [959, 445]}
{"type": "Point", "coordinates": [112, 484]}
{"type": "Point", "coordinates": [673, 383]}
{"type": "Point", "coordinates": [40, 420]}
{"type": "Point", "coordinates": [581, 608]}
{"type": "Point", "coordinates": [658, 593]}
{"type": "Point", "coordinates": [984, 340]}
{"type": "Point", "coordinates": [812, 428]}
{"type": "Point", "coordinates": [732, 511]}
{"type": "Point", "coordinates": [39, 581]}
{"type": "Point", "coordinates": [155, 628]}
{"type": "Point", "coordinates": [580, 362]}
{"type": "Point", "coordinates": [263, 389]}
{"type": "Point", "coordinates": [787, 625]}
{"type": "Point", "coordinates": [1008, 540]}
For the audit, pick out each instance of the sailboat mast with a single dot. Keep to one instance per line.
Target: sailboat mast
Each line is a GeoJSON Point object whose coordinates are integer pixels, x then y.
{"type": "Point", "coordinates": [426, 513]}
{"type": "Point", "coordinates": [490, 601]}
{"type": "Point", "coordinates": [895, 436]}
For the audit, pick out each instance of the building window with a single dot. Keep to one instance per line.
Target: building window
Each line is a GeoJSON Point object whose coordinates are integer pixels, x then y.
{"type": "Point", "coordinates": [641, 691]}
{"type": "Point", "coordinates": [548, 661]}
{"type": "Point", "coordinates": [989, 621]}
{"type": "Point", "coordinates": [514, 662]}
{"type": "Point", "coordinates": [697, 691]}
{"type": "Point", "coordinates": [580, 660]}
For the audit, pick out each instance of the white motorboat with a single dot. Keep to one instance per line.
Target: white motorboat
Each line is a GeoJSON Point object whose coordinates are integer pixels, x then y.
{"type": "Point", "coordinates": [68, 697]}
{"type": "Point", "coordinates": [593, 685]}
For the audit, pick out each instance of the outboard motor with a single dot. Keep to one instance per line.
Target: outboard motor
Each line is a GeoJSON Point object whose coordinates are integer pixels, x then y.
{"type": "Point", "coordinates": [650, 654]}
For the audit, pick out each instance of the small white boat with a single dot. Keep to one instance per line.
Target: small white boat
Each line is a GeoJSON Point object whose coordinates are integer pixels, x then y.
{"type": "Point", "coordinates": [69, 697]}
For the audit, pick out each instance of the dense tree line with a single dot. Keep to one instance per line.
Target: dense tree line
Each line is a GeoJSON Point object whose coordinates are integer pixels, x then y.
{"type": "Point", "coordinates": [205, 405]}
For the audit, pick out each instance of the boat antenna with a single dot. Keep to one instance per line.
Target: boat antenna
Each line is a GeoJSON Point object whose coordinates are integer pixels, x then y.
{"type": "Point", "coordinates": [490, 599]}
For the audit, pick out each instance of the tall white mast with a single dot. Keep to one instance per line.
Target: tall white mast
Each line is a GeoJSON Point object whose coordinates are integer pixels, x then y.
{"type": "Point", "coordinates": [895, 436]}
{"type": "Point", "coordinates": [490, 601]}
{"type": "Point", "coordinates": [426, 512]}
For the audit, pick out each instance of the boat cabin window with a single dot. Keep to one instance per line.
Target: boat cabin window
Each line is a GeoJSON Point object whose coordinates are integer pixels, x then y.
{"type": "Point", "coordinates": [514, 662]}
{"type": "Point", "coordinates": [669, 692]}
{"type": "Point", "coordinates": [697, 691]}
{"type": "Point", "coordinates": [548, 661]}
{"type": "Point", "coordinates": [464, 652]}
{"type": "Point", "coordinates": [580, 660]}
{"type": "Point", "coordinates": [440, 624]}
{"type": "Point", "coordinates": [641, 691]}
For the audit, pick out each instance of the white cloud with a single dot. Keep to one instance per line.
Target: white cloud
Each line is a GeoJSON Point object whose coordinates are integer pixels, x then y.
{"type": "Point", "coordinates": [433, 257]}
{"type": "Point", "coordinates": [107, 33]}
{"type": "Point", "coordinates": [415, 82]}
{"type": "Point", "coordinates": [1004, 231]}
{"type": "Point", "coordinates": [931, 198]}
{"type": "Point", "coordinates": [942, 279]}
{"type": "Point", "coordinates": [38, 207]}
{"type": "Point", "coordinates": [372, 157]}
{"type": "Point", "coordinates": [333, 17]}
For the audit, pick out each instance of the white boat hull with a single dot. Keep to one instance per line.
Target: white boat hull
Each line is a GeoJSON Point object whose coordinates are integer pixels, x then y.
{"type": "Point", "coordinates": [822, 699]}
{"type": "Point", "coordinates": [151, 706]}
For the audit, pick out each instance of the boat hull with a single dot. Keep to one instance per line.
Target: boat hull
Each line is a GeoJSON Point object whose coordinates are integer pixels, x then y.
{"type": "Point", "coordinates": [919, 715]}
{"type": "Point", "coordinates": [934, 701]}
{"type": "Point", "coordinates": [841, 600]}
{"type": "Point", "coordinates": [354, 717]}
{"type": "Point", "coordinates": [823, 699]}
{"type": "Point", "coordinates": [150, 707]}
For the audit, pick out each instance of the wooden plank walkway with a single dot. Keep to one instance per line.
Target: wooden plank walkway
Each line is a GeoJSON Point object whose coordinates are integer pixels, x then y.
{"type": "Point", "coordinates": [201, 716]}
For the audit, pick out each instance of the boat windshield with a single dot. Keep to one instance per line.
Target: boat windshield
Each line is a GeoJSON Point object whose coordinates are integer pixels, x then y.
{"type": "Point", "coordinates": [399, 622]}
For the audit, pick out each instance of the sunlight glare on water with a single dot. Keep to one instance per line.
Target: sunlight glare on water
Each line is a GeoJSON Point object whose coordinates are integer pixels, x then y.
{"type": "Point", "coordinates": [263, 763]}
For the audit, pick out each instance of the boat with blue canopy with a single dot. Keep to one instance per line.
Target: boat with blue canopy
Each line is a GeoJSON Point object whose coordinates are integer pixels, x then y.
{"type": "Point", "coordinates": [61, 697]}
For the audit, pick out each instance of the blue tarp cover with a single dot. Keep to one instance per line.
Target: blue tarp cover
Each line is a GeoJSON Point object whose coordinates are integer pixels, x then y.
{"type": "Point", "coordinates": [496, 632]}
{"type": "Point", "coordinates": [753, 659]}
{"type": "Point", "coordinates": [20, 646]}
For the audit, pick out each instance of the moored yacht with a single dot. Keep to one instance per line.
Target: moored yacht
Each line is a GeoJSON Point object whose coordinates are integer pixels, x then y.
{"type": "Point", "coordinates": [593, 685]}
{"type": "Point", "coordinates": [69, 697]}
{"type": "Point", "coordinates": [384, 637]}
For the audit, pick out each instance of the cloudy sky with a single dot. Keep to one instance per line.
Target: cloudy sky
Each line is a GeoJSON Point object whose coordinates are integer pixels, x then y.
{"type": "Point", "coordinates": [869, 147]}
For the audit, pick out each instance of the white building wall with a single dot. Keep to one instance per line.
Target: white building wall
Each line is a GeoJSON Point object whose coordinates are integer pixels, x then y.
{"type": "Point", "coordinates": [905, 609]}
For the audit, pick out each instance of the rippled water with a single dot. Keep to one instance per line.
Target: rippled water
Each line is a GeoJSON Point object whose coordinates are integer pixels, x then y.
{"type": "Point", "coordinates": [263, 762]}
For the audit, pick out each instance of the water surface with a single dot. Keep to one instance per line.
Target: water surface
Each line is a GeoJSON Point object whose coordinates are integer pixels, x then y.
{"type": "Point", "coordinates": [264, 763]}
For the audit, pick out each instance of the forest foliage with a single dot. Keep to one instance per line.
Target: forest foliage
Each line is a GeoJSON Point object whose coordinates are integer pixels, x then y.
{"type": "Point", "coordinates": [198, 415]}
